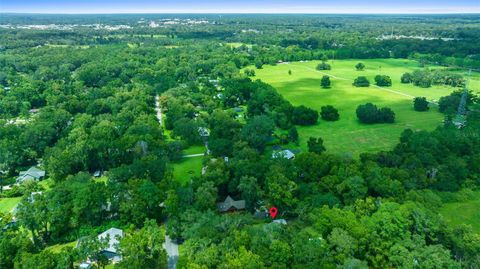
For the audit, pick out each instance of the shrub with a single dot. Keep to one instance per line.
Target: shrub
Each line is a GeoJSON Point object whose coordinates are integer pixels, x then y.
{"type": "Point", "coordinates": [329, 113]}
{"type": "Point", "coordinates": [361, 82]}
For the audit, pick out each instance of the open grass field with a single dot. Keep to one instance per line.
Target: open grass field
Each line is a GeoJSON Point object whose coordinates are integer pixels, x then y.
{"type": "Point", "coordinates": [458, 213]}
{"type": "Point", "coordinates": [348, 136]}
{"type": "Point", "coordinates": [8, 204]}
{"type": "Point", "coordinates": [187, 168]}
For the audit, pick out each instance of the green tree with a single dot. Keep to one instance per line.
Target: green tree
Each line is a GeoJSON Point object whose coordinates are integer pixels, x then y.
{"type": "Point", "coordinates": [316, 145]}
{"type": "Point", "coordinates": [361, 81]}
{"type": "Point", "coordinates": [143, 248]}
{"type": "Point", "coordinates": [359, 66]}
{"type": "Point", "coordinates": [258, 131]}
{"type": "Point", "coordinates": [383, 80]}
{"type": "Point", "coordinates": [420, 104]}
{"type": "Point", "coordinates": [325, 82]}
{"type": "Point", "coordinates": [329, 113]}
{"type": "Point", "coordinates": [293, 135]}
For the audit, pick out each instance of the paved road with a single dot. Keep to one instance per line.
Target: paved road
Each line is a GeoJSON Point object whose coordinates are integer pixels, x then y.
{"type": "Point", "coordinates": [172, 252]}
{"type": "Point", "coordinates": [158, 109]}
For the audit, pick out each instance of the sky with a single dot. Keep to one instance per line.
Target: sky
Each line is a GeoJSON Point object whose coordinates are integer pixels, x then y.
{"type": "Point", "coordinates": [240, 6]}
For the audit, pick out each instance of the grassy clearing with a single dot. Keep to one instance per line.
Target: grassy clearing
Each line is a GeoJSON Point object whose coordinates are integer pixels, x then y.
{"type": "Point", "coordinates": [8, 204]}
{"type": "Point", "coordinates": [59, 247]}
{"type": "Point", "coordinates": [196, 149]}
{"type": "Point", "coordinates": [235, 45]}
{"type": "Point", "coordinates": [187, 168]}
{"type": "Point", "coordinates": [348, 136]}
{"type": "Point", "coordinates": [458, 213]}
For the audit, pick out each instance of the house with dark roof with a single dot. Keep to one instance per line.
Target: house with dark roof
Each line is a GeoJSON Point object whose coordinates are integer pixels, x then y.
{"type": "Point", "coordinates": [33, 173]}
{"type": "Point", "coordinates": [231, 205]}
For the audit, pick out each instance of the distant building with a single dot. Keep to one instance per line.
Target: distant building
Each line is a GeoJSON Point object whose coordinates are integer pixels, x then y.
{"type": "Point", "coordinates": [231, 205]}
{"type": "Point", "coordinates": [111, 251]}
{"type": "Point", "coordinates": [33, 173]}
{"type": "Point", "coordinates": [287, 154]}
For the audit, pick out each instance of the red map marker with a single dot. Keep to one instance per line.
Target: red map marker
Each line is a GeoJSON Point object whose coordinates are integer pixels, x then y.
{"type": "Point", "coordinates": [273, 212]}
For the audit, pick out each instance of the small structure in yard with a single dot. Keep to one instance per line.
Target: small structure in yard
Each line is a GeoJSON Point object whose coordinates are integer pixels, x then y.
{"type": "Point", "coordinates": [31, 174]}
{"type": "Point", "coordinates": [238, 109]}
{"type": "Point", "coordinates": [287, 154]}
{"type": "Point", "coordinates": [97, 173]}
{"type": "Point", "coordinates": [111, 251]}
{"type": "Point", "coordinates": [280, 221]}
{"type": "Point", "coordinates": [231, 205]}
{"type": "Point", "coordinates": [85, 265]}
{"type": "Point", "coordinates": [259, 214]}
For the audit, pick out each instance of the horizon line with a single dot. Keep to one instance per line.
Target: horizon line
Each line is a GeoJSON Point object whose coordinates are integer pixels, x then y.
{"type": "Point", "coordinates": [244, 13]}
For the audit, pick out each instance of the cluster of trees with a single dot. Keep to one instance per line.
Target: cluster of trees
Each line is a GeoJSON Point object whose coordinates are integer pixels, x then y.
{"type": "Point", "coordinates": [383, 80]}
{"type": "Point", "coordinates": [426, 78]}
{"type": "Point", "coordinates": [329, 113]}
{"type": "Point", "coordinates": [370, 113]}
{"type": "Point", "coordinates": [323, 66]}
{"type": "Point", "coordinates": [449, 104]}
{"type": "Point", "coordinates": [361, 81]}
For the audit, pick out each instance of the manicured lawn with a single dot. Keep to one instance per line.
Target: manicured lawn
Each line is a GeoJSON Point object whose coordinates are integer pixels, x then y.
{"type": "Point", "coordinates": [8, 204]}
{"type": "Point", "coordinates": [196, 149]}
{"type": "Point", "coordinates": [458, 213]}
{"type": "Point", "coordinates": [187, 168]}
{"type": "Point", "coordinates": [348, 136]}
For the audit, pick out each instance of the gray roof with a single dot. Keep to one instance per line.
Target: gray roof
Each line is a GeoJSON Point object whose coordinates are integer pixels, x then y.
{"type": "Point", "coordinates": [230, 204]}
{"type": "Point", "coordinates": [287, 154]}
{"type": "Point", "coordinates": [31, 174]}
{"type": "Point", "coordinates": [114, 239]}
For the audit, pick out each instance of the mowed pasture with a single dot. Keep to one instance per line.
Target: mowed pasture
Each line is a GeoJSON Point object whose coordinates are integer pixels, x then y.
{"type": "Point", "coordinates": [348, 136]}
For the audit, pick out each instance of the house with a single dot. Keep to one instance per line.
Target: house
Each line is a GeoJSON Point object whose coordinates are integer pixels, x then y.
{"type": "Point", "coordinates": [203, 132]}
{"type": "Point", "coordinates": [287, 154]}
{"type": "Point", "coordinates": [85, 265]}
{"type": "Point", "coordinates": [231, 205]}
{"type": "Point", "coordinates": [111, 251]}
{"type": "Point", "coordinates": [31, 174]}
{"type": "Point", "coordinates": [97, 173]}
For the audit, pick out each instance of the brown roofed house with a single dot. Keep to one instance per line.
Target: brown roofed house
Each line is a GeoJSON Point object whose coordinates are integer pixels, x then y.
{"type": "Point", "coordinates": [231, 205]}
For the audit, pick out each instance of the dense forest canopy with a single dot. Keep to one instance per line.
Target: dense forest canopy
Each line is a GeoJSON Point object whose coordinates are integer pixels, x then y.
{"type": "Point", "coordinates": [113, 107]}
